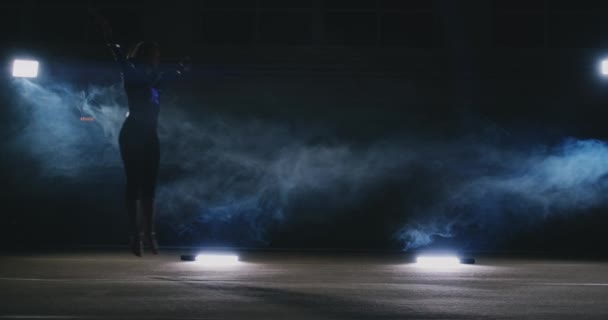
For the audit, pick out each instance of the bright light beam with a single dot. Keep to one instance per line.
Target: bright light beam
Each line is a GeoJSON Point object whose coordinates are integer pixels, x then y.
{"type": "Point", "coordinates": [217, 258]}
{"type": "Point", "coordinates": [437, 261]}
{"type": "Point", "coordinates": [25, 68]}
{"type": "Point", "coordinates": [604, 67]}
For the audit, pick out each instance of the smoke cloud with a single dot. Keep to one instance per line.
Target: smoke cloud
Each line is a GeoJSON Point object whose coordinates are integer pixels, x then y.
{"type": "Point", "coordinates": [241, 178]}
{"type": "Point", "coordinates": [55, 134]}
{"type": "Point", "coordinates": [523, 186]}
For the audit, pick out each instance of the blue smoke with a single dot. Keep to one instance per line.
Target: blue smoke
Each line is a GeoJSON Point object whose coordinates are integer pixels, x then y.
{"type": "Point", "coordinates": [228, 177]}
{"type": "Point", "coordinates": [253, 172]}
{"type": "Point", "coordinates": [54, 134]}
{"type": "Point", "coordinates": [218, 172]}
{"type": "Point", "coordinates": [532, 185]}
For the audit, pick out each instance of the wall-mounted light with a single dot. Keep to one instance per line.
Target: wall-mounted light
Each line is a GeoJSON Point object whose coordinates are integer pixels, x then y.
{"type": "Point", "coordinates": [25, 68]}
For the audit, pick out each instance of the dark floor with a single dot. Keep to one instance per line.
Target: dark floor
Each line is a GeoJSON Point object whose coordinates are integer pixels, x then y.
{"type": "Point", "coordinates": [296, 286]}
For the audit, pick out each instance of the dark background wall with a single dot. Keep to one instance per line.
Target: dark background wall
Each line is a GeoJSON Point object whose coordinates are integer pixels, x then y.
{"type": "Point", "coordinates": [515, 74]}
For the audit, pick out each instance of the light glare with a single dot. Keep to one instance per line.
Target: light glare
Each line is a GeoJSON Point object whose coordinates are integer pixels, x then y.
{"type": "Point", "coordinates": [437, 261]}
{"type": "Point", "coordinates": [604, 67]}
{"type": "Point", "coordinates": [25, 68]}
{"type": "Point", "coordinates": [217, 259]}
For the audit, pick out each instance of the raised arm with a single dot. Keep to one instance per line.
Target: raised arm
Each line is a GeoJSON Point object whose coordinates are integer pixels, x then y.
{"type": "Point", "coordinates": [118, 54]}
{"type": "Point", "coordinates": [174, 74]}
{"type": "Point", "coordinates": [106, 31]}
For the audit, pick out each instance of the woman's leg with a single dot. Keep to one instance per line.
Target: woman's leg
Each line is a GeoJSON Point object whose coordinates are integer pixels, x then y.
{"type": "Point", "coordinates": [137, 246]}
{"type": "Point", "coordinates": [149, 229]}
{"type": "Point", "coordinates": [148, 192]}
{"type": "Point", "coordinates": [133, 180]}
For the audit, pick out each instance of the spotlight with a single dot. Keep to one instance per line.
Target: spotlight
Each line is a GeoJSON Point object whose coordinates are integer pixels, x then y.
{"type": "Point", "coordinates": [25, 68]}
{"type": "Point", "coordinates": [443, 260]}
{"type": "Point", "coordinates": [437, 261]}
{"type": "Point", "coordinates": [604, 67]}
{"type": "Point", "coordinates": [212, 258]}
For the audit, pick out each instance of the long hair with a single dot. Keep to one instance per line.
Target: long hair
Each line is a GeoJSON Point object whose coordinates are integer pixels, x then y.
{"type": "Point", "coordinates": [142, 51]}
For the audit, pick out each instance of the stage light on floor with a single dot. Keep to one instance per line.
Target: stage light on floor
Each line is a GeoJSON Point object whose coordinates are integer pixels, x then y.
{"type": "Point", "coordinates": [25, 68]}
{"type": "Point", "coordinates": [212, 258]}
{"type": "Point", "coordinates": [437, 261]}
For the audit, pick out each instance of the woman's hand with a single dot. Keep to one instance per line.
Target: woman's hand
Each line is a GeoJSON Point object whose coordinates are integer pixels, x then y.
{"type": "Point", "coordinates": [185, 64]}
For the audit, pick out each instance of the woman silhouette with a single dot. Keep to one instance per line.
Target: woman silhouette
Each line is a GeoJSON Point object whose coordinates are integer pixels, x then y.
{"type": "Point", "coordinates": [138, 139]}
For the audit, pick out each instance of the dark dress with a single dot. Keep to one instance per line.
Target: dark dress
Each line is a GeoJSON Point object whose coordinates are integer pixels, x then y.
{"type": "Point", "coordinates": [138, 139]}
